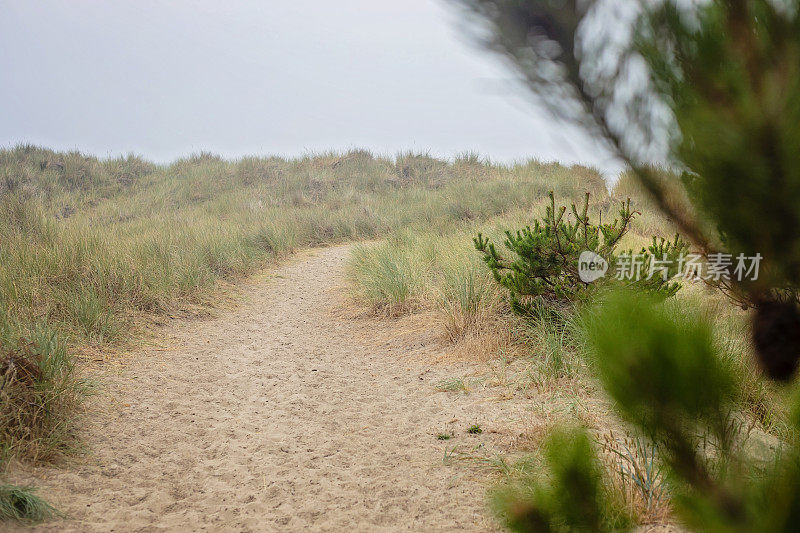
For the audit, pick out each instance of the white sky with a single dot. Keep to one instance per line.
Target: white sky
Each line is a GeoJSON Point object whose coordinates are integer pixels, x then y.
{"type": "Point", "coordinates": [164, 79]}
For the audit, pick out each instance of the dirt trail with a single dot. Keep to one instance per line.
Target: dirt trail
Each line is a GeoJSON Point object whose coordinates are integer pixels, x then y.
{"type": "Point", "coordinates": [279, 415]}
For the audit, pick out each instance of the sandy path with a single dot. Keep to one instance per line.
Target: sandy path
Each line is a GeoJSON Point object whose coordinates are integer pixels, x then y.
{"type": "Point", "coordinates": [278, 415]}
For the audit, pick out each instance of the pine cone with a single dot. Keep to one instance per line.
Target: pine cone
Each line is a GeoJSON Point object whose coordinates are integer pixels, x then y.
{"type": "Point", "coordinates": [776, 334]}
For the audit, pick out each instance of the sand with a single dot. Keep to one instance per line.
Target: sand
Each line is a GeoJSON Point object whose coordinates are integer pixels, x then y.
{"type": "Point", "coordinates": [280, 415]}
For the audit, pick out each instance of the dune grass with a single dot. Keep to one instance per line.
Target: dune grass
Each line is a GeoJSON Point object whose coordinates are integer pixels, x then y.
{"type": "Point", "coordinates": [441, 272]}
{"type": "Point", "coordinates": [92, 247]}
{"type": "Point", "coordinates": [23, 505]}
{"type": "Point", "coordinates": [39, 396]}
{"type": "Point", "coordinates": [89, 244]}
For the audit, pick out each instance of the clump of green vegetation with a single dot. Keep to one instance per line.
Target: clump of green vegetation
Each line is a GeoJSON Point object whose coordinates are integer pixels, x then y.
{"type": "Point", "coordinates": [546, 259]}
{"type": "Point", "coordinates": [23, 505]}
{"type": "Point", "coordinates": [451, 385]}
{"type": "Point", "coordinates": [444, 436]}
{"type": "Point", "coordinates": [387, 280]}
{"type": "Point", "coordinates": [553, 333]}
{"type": "Point", "coordinates": [474, 429]}
{"type": "Point", "coordinates": [640, 476]}
{"type": "Point", "coordinates": [39, 396]}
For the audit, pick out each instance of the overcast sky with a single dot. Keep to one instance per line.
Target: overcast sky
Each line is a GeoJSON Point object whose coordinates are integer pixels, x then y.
{"type": "Point", "coordinates": [164, 79]}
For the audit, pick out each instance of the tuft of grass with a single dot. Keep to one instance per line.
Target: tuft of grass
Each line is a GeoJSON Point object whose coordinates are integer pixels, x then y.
{"type": "Point", "coordinates": [386, 281]}
{"type": "Point", "coordinates": [39, 397]}
{"type": "Point", "coordinates": [451, 385]}
{"type": "Point", "coordinates": [444, 436]}
{"type": "Point", "coordinates": [633, 465]}
{"type": "Point", "coordinates": [553, 338]}
{"type": "Point", "coordinates": [23, 505]}
{"type": "Point", "coordinates": [468, 298]}
{"type": "Point", "coordinates": [536, 491]}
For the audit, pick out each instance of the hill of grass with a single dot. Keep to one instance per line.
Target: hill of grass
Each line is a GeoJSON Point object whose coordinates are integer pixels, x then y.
{"type": "Point", "coordinates": [90, 246]}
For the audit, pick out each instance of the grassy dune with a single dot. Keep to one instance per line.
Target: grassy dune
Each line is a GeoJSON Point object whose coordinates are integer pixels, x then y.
{"type": "Point", "coordinates": [442, 274]}
{"type": "Point", "coordinates": [88, 243]}
{"type": "Point", "coordinates": [439, 270]}
{"type": "Point", "coordinates": [90, 246]}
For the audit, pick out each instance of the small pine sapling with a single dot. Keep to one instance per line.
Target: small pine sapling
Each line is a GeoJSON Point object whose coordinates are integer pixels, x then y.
{"type": "Point", "coordinates": [546, 263]}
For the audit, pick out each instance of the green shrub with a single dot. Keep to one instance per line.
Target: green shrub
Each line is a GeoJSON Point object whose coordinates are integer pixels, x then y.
{"type": "Point", "coordinates": [546, 259]}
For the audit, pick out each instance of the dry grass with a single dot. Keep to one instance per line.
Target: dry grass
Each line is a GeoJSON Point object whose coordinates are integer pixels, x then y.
{"type": "Point", "coordinates": [92, 248]}
{"type": "Point", "coordinates": [635, 472]}
{"type": "Point", "coordinates": [545, 360]}
{"type": "Point", "coordinates": [90, 244]}
{"type": "Point", "coordinates": [39, 396]}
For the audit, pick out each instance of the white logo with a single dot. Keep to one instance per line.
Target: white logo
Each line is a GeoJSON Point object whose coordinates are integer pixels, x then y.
{"type": "Point", "coordinates": [591, 266]}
